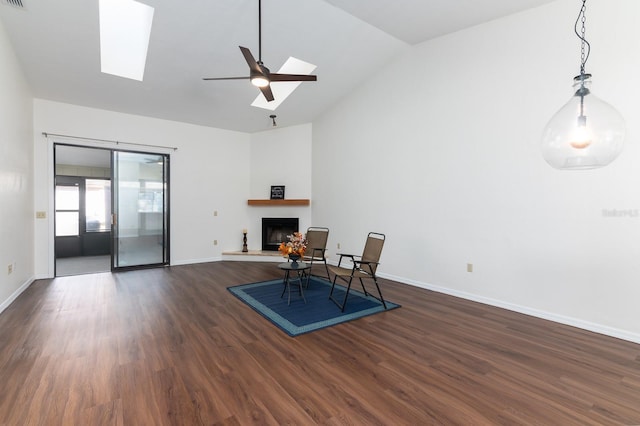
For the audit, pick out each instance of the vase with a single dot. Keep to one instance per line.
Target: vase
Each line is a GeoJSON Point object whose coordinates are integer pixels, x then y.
{"type": "Point", "coordinates": [294, 257]}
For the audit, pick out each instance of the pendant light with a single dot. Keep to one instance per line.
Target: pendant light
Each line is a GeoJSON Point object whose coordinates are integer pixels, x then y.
{"type": "Point", "coordinates": [586, 133]}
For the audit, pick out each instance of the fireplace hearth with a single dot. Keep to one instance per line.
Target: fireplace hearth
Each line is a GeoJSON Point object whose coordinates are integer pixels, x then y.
{"type": "Point", "coordinates": [275, 231]}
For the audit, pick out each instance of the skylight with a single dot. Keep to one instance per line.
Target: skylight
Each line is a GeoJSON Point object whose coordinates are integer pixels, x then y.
{"type": "Point", "coordinates": [125, 27]}
{"type": "Point", "coordinates": [282, 89]}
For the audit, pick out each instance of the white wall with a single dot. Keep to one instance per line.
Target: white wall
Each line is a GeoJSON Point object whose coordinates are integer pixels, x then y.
{"type": "Point", "coordinates": [16, 183]}
{"type": "Point", "coordinates": [440, 151]}
{"type": "Point", "coordinates": [206, 176]}
{"type": "Point", "coordinates": [281, 156]}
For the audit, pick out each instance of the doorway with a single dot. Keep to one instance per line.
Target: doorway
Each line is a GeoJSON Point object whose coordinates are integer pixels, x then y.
{"type": "Point", "coordinates": [111, 210]}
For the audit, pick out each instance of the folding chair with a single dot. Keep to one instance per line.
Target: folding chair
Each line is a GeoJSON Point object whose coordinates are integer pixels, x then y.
{"type": "Point", "coordinates": [364, 267]}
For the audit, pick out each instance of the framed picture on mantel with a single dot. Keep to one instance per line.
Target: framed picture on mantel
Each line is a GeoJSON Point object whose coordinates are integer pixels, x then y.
{"type": "Point", "coordinates": [277, 192]}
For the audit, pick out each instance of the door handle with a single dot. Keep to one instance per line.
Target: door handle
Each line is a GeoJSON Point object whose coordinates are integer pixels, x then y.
{"type": "Point", "coordinates": [113, 219]}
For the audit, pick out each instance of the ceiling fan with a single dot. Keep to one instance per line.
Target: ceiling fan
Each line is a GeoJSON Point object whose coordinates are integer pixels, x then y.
{"type": "Point", "coordinates": [260, 75]}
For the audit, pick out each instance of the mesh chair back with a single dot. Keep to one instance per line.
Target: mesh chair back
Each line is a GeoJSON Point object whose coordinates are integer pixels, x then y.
{"type": "Point", "coordinates": [373, 249]}
{"type": "Point", "coordinates": [316, 241]}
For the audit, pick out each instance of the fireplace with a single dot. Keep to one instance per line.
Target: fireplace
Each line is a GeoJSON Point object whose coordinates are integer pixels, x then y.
{"type": "Point", "coordinates": [275, 231]}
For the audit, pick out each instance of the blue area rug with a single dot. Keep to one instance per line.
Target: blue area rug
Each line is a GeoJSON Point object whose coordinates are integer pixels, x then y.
{"type": "Point", "coordinates": [299, 317]}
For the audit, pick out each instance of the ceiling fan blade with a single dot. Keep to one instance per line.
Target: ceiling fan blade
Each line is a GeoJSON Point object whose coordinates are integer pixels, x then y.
{"type": "Point", "coordinates": [266, 91]}
{"type": "Point", "coordinates": [292, 77]}
{"type": "Point", "coordinates": [251, 61]}
{"type": "Point", "coordinates": [225, 78]}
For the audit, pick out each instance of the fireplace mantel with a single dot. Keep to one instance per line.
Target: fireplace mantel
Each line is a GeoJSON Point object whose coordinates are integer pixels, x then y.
{"type": "Point", "coordinates": [290, 202]}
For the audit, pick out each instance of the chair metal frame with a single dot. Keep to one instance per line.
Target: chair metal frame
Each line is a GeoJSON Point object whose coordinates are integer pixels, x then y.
{"type": "Point", "coordinates": [364, 267]}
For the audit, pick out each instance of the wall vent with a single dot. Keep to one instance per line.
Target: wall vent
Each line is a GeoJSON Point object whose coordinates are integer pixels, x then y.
{"type": "Point", "coordinates": [14, 3]}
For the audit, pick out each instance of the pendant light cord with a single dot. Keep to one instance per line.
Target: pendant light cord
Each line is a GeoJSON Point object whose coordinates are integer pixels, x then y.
{"type": "Point", "coordinates": [585, 48]}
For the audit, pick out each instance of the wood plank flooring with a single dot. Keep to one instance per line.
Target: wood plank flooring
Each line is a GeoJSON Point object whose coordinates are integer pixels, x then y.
{"type": "Point", "coordinates": [173, 347]}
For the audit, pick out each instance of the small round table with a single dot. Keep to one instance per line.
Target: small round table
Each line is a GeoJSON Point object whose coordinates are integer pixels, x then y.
{"type": "Point", "coordinates": [300, 269]}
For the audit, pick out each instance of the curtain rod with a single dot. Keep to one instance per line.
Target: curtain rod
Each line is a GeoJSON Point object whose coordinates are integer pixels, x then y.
{"type": "Point", "coordinates": [45, 134]}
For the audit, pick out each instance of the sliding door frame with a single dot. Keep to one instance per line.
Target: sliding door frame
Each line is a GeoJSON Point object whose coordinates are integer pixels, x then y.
{"type": "Point", "coordinates": [115, 238]}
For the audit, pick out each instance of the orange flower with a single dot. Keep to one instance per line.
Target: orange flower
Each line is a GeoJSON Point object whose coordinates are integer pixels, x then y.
{"type": "Point", "coordinates": [297, 244]}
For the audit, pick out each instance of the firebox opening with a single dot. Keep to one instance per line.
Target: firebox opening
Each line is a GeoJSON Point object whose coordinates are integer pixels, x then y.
{"type": "Point", "coordinates": [275, 231]}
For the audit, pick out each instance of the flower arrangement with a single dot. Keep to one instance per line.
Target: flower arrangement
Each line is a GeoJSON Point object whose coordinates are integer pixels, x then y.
{"type": "Point", "coordinates": [296, 245]}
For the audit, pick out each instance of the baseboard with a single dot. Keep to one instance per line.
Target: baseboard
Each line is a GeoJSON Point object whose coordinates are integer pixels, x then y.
{"type": "Point", "coordinates": [15, 294]}
{"type": "Point", "coordinates": [43, 277]}
{"type": "Point", "coordinates": [253, 256]}
{"type": "Point", "coordinates": [192, 261]}
{"type": "Point", "coordinates": [561, 319]}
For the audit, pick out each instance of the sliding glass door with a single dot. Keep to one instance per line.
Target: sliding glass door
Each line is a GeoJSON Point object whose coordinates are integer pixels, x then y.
{"type": "Point", "coordinates": [140, 219]}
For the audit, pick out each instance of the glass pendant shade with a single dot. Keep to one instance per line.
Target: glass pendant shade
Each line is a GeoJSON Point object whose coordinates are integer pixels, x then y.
{"type": "Point", "coordinates": [586, 133]}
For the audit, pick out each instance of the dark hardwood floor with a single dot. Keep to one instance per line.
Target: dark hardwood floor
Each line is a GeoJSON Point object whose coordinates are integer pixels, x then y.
{"type": "Point", "coordinates": [173, 347]}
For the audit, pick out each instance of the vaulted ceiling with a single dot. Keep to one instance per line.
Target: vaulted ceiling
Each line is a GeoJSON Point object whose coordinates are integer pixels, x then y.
{"type": "Point", "coordinates": [57, 43]}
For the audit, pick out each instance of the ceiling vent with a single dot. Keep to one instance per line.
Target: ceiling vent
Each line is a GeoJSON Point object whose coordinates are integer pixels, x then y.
{"type": "Point", "coordinates": [14, 3]}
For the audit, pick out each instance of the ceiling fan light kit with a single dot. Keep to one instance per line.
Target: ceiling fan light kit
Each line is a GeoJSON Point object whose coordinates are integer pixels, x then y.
{"type": "Point", "coordinates": [259, 75]}
{"type": "Point", "coordinates": [259, 80]}
{"type": "Point", "coordinates": [586, 133]}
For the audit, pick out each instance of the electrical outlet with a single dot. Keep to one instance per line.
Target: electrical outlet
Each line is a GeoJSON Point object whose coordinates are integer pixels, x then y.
{"type": "Point", "coordinates": [41, 215]}
{"type": "Point", "coordinates": [9, 268]}
{"type": "Point", "coordinates": [469, 267]}
{"type": "Point", "coordinates": [215, 212]}
{"type": "Point", "coordinates": [215, 242]}
{"type": "Point", "coordinates": [338, 246]}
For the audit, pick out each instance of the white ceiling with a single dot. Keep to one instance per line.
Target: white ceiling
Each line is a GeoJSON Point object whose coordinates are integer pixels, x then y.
{"type": "Point", "coordinates": [57, 43]}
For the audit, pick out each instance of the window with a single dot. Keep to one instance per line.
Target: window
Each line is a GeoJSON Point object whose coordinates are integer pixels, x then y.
{"type": "Point", "coordinates": [67, 210]}
{"type": "Point", "coordinates": [97, 205]}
